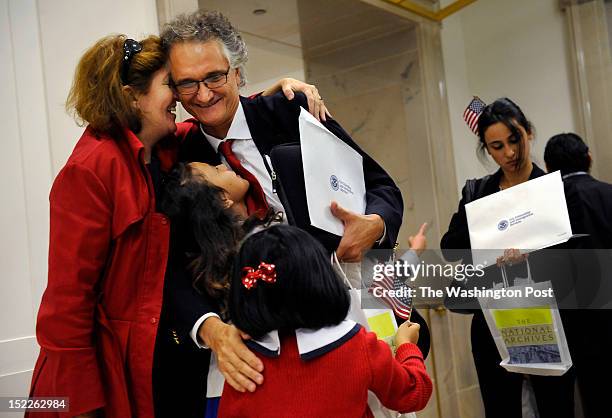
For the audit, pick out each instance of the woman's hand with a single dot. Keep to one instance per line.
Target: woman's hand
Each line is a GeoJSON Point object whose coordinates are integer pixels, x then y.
{"type": "Point", "coordinates": [291, 85]}
{"type": "Point", "coordinates": [240, 367]}
{"type": "Point", "coordinates": [408, 332]}
{"type": "Point", "coordinates": [511, 256]}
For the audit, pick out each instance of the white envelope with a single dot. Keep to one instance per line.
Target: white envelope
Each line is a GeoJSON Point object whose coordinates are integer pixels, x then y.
{"type": "Point", "coordinates": [528, 216]}
{"type": "Point", "coordinates": [332, 171]}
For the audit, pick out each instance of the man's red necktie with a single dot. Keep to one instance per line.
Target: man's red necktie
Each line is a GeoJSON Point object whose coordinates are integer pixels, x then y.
{"type": "Point", "coordinates": [255, 198]}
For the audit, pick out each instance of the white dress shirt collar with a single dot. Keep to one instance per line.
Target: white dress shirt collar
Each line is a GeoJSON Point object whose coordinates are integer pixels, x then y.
{"type": "Point", "coordinates": [239, 129]}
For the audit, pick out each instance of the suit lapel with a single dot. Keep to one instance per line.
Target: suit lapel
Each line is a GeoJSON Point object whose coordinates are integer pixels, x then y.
{"type": "Point", "coordinates": [265, 133]}
{"type": "Point", "coordinates": [195, 147]}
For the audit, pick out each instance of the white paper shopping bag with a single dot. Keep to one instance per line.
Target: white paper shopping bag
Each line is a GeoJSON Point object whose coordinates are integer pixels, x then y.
{"type": "Point", "coordinates": [332, 171]}
{"type": "Point", "coordinates": [527, 329]}
{"type": "Point", "coordinates": [528, 216]}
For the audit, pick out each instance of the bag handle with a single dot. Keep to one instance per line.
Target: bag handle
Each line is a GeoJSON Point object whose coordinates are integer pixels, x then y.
{"type": "Point", "coordinates": [505, 274]}
{"type": "Point", "coordinates": [336, 263]}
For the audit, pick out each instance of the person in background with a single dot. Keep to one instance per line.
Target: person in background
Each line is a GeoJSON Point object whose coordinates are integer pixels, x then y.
{"type": "Point", "coordinates": [317, 363]}
{"type": "Point", "coordinates": [505, 134]}
{"type": "Point", "coordinates": [589, 200]}
{"type": "Point", "coordinates": [589, 203]}
{"type": "Point", "coordinates": [99, 316]}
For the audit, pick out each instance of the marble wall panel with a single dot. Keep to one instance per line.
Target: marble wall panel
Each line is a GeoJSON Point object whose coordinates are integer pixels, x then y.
{"type": "Point", "coordinates": [362, 53]}
{"type": "Point", "coordinates": [366, 117]}
{"type": "Point", "coordinates": [384, 113]}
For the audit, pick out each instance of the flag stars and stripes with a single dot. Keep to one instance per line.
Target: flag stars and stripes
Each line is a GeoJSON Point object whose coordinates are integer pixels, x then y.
{"type": "Point", "coordinates": [400, 303]}
{"type": "Point", "coordinates": [472, 113]}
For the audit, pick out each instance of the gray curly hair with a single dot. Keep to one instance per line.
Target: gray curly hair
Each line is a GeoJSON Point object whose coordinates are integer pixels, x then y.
{"type": "Point", "coordinates": [204, 26]}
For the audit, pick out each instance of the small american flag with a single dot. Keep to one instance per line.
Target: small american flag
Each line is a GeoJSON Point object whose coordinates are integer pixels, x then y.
{"type": "Point", "coordinates": [472, 113]}
{"type": "Point", "coordinates": [401, 305]}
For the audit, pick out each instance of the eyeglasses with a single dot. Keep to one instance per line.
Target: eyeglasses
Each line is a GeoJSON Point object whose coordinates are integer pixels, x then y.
{"type": "Point", "coordinates": [214, 81]}
{"type": "Point", "coordinates": [130, 48]}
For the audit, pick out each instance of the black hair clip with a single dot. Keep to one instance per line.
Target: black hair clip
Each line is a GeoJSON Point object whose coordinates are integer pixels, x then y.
{"type": "Point", "coordinates": [130, 48]}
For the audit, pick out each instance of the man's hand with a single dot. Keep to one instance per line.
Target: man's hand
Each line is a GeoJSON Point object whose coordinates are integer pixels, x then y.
{"type": "Point", "coordinates": [360, 233]}
{"type": "Point", "coordinates": [291, 85]}
{"type": "Point", "coordinates": [240, 367]}
{"type": "Point", "coordinates": [418, 242]}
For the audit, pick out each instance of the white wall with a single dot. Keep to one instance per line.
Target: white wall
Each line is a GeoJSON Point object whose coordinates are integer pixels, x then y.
{"type": "Point", "coordinates": [40, 43]}
{"type": "Point", "coordinates": [270, 61]}
{"type": "Point", "coordinates": [518, 49]}
{"type": "Point", "coordinates": [67, 29]}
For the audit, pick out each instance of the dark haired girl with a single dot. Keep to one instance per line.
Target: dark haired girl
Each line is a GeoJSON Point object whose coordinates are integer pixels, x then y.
{"type": "Point", "coordinates": [207, 209]}
{"type": "Point", "coordinates": [505, 134]}
{"type": "Point", "coordinates": [206, 206]}
{"type": "Point", "coordinates": [286, 296]}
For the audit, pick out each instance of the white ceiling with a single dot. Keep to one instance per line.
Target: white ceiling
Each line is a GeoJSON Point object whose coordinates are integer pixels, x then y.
{"type": "Point", "coordinates": [280, 22]}
{"type": "Point", "coordinates": [315, 25]}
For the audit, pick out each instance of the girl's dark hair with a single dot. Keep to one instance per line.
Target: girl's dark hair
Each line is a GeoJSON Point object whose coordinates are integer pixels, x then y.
{"type": "Point", "coordinates": [567, 152]}
{"type": "Point", "coordinates": [307, 292]}
{"type": "Point", "coordinates": [204, 232]}
{"type": "Point", "coordinates": [510, 114]}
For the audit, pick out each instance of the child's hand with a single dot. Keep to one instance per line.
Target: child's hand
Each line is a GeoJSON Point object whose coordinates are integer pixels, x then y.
{"type": "Point", "coordinates": [408, 332]}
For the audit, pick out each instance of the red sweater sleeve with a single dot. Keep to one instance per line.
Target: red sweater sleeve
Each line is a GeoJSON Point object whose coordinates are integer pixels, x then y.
{"type": "Point", "coordinates": [401, 383]}
{"type": "Point", "coordinates": [80, 237]}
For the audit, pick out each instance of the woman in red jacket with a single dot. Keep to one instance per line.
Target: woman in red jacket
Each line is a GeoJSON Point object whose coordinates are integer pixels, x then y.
{"type": "Point", "coordinates": [108, 248]}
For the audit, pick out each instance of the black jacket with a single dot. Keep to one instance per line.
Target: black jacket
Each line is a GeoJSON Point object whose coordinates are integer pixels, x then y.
{"type": "Point", "coordinates": [589, 203]}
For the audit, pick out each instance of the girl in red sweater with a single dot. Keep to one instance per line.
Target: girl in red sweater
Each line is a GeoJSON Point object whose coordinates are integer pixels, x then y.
{"type": "Point", "coordinates": [317, 363]}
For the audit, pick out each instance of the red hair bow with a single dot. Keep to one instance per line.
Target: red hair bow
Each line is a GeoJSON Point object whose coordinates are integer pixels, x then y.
{"type": "Point", "coordinates": [265, 272]}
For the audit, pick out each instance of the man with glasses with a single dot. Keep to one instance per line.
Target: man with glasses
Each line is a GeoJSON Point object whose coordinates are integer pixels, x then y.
{"type": "Point", "coordinates": [207, 57]}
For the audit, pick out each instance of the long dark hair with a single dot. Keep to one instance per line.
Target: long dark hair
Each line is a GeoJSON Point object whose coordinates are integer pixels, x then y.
{"type": "Point", "coordinates": [307, 292]}
{"type": "Point", "coordinates": [510, 114]}
{"type": "Point", "coordinates": [204, 231]}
